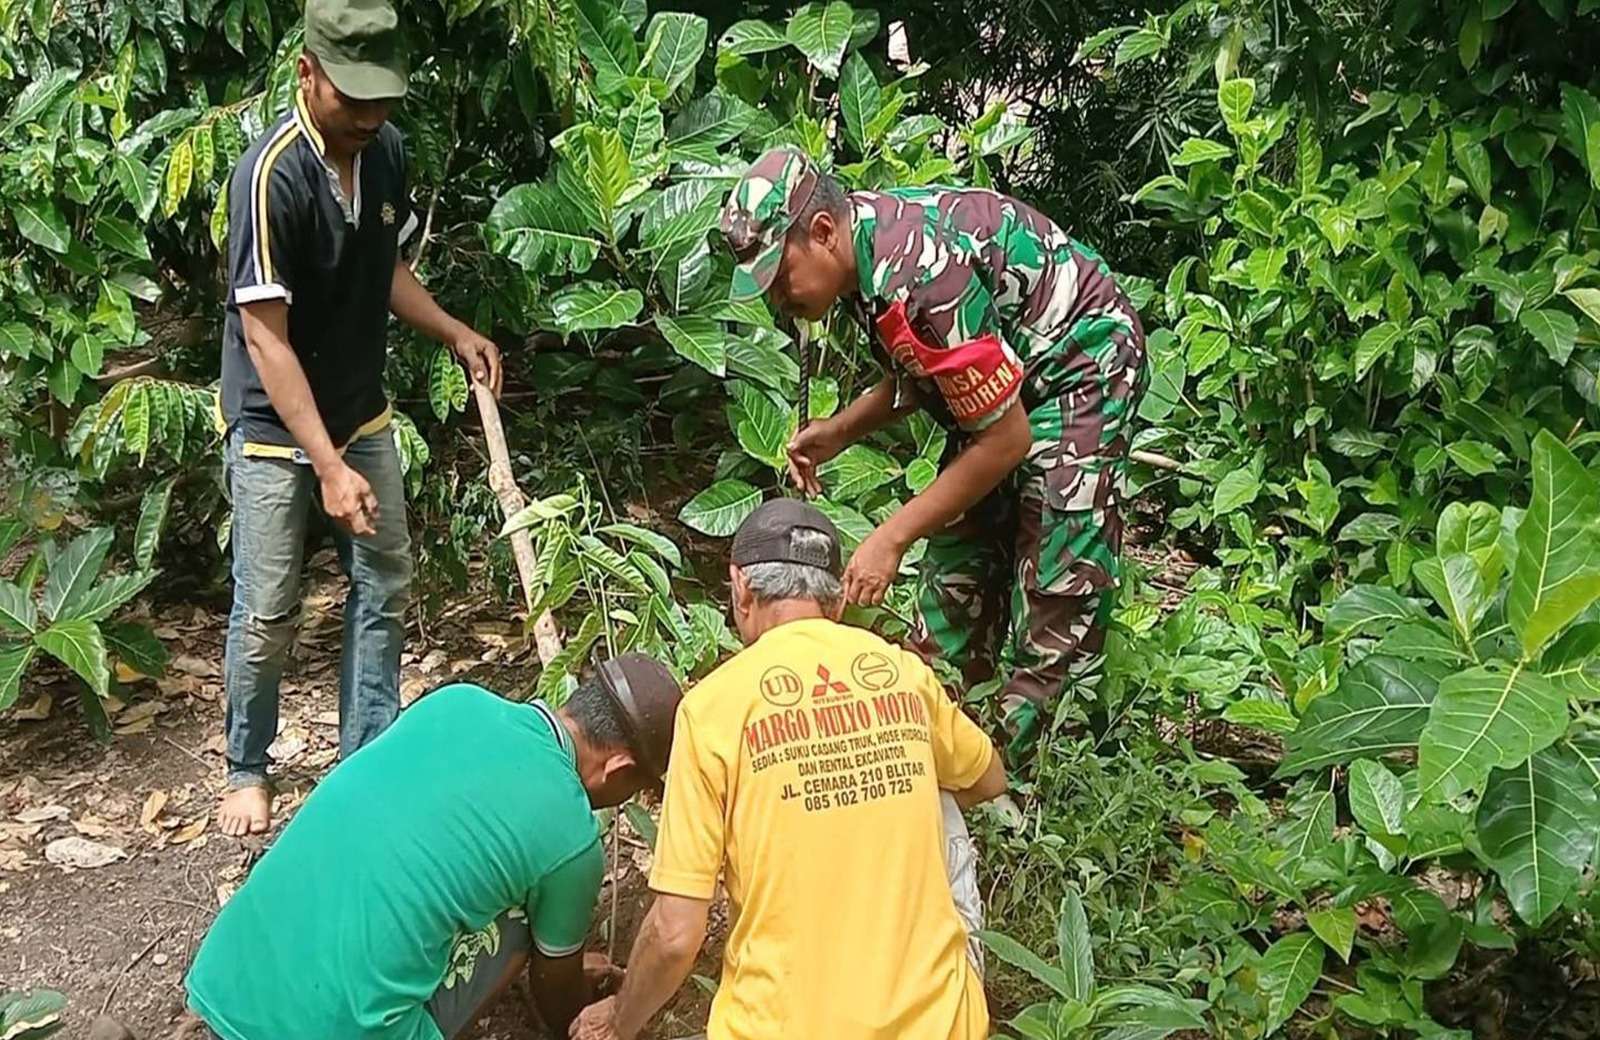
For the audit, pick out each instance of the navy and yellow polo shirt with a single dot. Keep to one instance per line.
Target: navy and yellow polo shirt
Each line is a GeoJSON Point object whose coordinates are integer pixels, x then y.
{"type": "Point", "coordinates": [294, 236]}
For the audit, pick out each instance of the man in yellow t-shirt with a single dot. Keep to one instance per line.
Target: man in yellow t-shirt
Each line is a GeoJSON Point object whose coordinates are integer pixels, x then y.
{"type": "Point", "coordinates": [809, 767]}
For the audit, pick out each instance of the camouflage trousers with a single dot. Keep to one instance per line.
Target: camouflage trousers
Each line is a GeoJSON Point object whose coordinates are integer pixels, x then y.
{"type": "Point", "coordinates": [1024, 583]}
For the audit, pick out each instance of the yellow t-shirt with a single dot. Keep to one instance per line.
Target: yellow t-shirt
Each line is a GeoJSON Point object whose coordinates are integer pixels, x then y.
{"type": "Point", "coordinates": [810, 765]}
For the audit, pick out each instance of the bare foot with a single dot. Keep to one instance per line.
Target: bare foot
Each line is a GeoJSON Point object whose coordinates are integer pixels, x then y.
{"type": "Point", "coordinates": [246, 810]}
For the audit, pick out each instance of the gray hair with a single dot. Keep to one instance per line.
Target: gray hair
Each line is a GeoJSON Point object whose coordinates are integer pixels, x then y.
{"type": "Point", "coordinates": [769, 582]}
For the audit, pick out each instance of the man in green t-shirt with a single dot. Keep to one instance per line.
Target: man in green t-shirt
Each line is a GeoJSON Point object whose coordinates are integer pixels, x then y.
{"type": "Point", "coordinates": [424, 872]}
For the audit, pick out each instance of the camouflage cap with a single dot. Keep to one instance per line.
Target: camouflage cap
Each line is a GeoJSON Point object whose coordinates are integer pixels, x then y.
{"type": "Point", "coordinates": [759, 210]}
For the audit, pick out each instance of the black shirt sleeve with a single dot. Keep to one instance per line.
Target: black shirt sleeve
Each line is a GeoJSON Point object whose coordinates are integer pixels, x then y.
{"type": "Point", "coordinates": [409, 221]}
{"type": "Point", "coordinates": [265, 221]}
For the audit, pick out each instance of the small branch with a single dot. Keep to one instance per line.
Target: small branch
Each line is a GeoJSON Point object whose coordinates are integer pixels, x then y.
{"type": "Point", "coordinates": [147, 367]}
{"type": "Point", "coordinates": [1150, 458]}
{"type": "Point", "coordinates": [141, 955]}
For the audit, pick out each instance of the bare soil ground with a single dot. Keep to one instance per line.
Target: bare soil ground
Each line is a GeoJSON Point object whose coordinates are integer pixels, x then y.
{"type": "Point", "coordinates": [119, 937]}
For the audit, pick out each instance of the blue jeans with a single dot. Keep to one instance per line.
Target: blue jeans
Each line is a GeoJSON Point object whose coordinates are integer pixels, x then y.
{"type": "Point", "coordinates": [272, 499]}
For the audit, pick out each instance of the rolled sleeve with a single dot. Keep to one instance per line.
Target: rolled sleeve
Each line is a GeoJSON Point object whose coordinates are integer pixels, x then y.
{"type": "Point", "coordinates": [690, 839]}
{"type": "Point", "coordinates": [264, 225]}
{"type": "Point", "coordinates": [559, 912]}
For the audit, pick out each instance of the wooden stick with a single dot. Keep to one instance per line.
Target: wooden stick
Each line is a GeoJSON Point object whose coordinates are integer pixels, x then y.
{"type": "Point", "coordinates": [1150, 458]}
{"type": "Point", "coordinates": [546, 637]}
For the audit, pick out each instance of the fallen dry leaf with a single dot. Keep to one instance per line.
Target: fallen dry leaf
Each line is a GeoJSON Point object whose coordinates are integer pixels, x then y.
{"type": "Point", "coordinates": [166, 632]}
{"type": "Point", "coordinates": [20, 832]}
{"type": "Point", "coordinates": [225, 892]}
{"type": "Point", "coordinates": [217, 745]}
{"type": "Point", "coordinates": [138, 725]}
{"type": "Point", "coordinates": [290, 743]}
{"type": "Point", "coordinates": [82, 853]}
{"type": "Point", "coordinates": [326, 718]}
{"type": "Point", "coordinates": [113, 704]}
{"type": "Point", "coordinates": [92, 827]}
{"type": "Point", "coordinates": [199, 667]}
{"type": "Point", "coordinates": [191, 831]}
{"type": "Point", "coordinates": [37, 712]}
{"type": "Point", "coordinates": [142, 710]}
{"type": "Point", "coordinates": [43, 813]}
{"type": "Point", "coordinates": [153, 804]}
{"type": "Point", "coordinates": [13, 859]}
{"type": "Point", "coordinates": [434, 661]}
{"type": "Point", "coordinates": [130, 675]}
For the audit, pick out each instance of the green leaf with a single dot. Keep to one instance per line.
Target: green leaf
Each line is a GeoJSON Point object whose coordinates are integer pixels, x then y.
{"type": "Point", "coordinates": [77, 644]}
{"type": "Point", "coordinates": [1238, 488]}
{"type": "Point", "coordinates": [759, 355]}
{"type": "Point", "coordinates": [919, 474]}
{"type": "Point", "coordinates": [1139, 44]}
{"type": "Point", "coordinates": [1234, 100]}
{"type": "Point", "coordinates": [1338, 225]}
{"type": "Point", "coordinates": [1365, 607]}
{"type": "Point", "coordinates": [1019, 956]}
{"type": "Point", "coordinates": [1308, 155]}
{"type": "Point", "coordinates": [1335, 926]}
{"type": "Point", "coordinates": [761, 427]}
{"type": "Point", "coordinates": [857, 470]}
{"type": "Point", "coordinates": [1309, 828]}
{"type": "Point", "coordinates": [1556, 331]}
{"type": "Point", "coordinates": [88, 354]}
{"type": "Point", "coordinates": [1475, 360]}
{"type": "Point", "coordinates": [667, 226]}
{"type": "Point", "coordinates": [1272, 716]}
{"type": "Point", "coordinates": [1581, 120]}
{"type": "Point", "coordinates": [1587, 301]}
{"type": "Point", "coordinates": [137, 647]}
{"type": "Point", "coordinates": [657, 543]}
{"type": "Point", "coordinates": [1473, 159]}
{"type": "Point", "coordinates": [1206, 349]}
{"type": "Point", "coordinates": [1077, 953]}
{"type": "Point", "coordinates": [605, 39]}
{"type": "Point", "coordinates": [1287, 974]}
{"type": "Point", "coordinates": [233, 25]}
{"type": "Point", "coordinates": [41, 223]}
{"type": "Point", "coordinates": [752, 36]}
{"type": "Point", "coordinates": [38, 98]}
{"type": "Point", "coordinates": [710, 120]}
{"type": "Point", "coordinates": [684, 277]}
{"type": "Point", "coordinates": [859, 99]}
{"type": "Point", "coordinates": [34, 1014]}
{"type": "Point", "coordinates": [539, 228]}
{"type": "Point", "coordinates": [1456, 584]}
{"type": "Point", "coordinates": [1537, 825]}
{"type": "Point", "coordinates": [721, 508]}
{"type": "Point", "coordinates": [447, 384]}
{"type": "Point", "coordinates": [1474, 457]}
{"type": "Point", "coordinates": [1377, 799]}
{"type": "Point", "coordinates": [821, 31]}
{"type": "Point", "coordinates": [17, 612]}
{"type": "Point", "coordinates": [594, 305]}
{"type": "Point", "coordinates": [180, 176]}
{"type": "Point", "coordinates": [73, 572]}
{"type": "Point", "coordinates": [540, 510]}
{"type": "Point", "coordinates": [1377, 342]}
{"type": "Point", "coordinates": [1555, 576]}
{"type": "Point", "coordinates": [16, 340]}
{"type": "Point", "coordinates": [152, 520]}
{"type": "Point", "coordinates": [122, 236]}
{"type": "Point", "coordinates": [1379, 707]}
{"type": "Point", "coordinates": [675, 43]}
{"type": "Point", "coordinates": [699, 339]}
{"type": "Point", "coordinates": [110, 595]}
{"type": "Point", "coordinates": [642, 130]}
{"type": "Point", "coordinates": [1199, 150]}
{"type": "Point", "coordinates": [1485, 718]}
{"type": "Point", "coordinates": [14, 661]}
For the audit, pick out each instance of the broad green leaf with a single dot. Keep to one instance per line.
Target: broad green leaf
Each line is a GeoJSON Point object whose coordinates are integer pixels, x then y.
{"type": "Point", "coordinates": [752, 36]}
{"type": "Point", "coordinates": [1077, 952]}
{"type": "Point", "coordinates": [14, 661]}
{"type": "Point", "coordinates": [608, 175]}
{"type": "Point", "coordinates": [675, 42]}
{"type": "Point", "coordinates": [1272, 716]}
{"type": "Point", "coordinates": [1338, 225]}
{"type": "Point", "coordinates": [1207, 349]}
{"type": "Point", "coordinates": [1379, 707]}
{"type": "Point", "coordinates": [1573, 661]}
{"type": "Point", "coordinates": [761, 427]}
{"type": "Point", "coordinates": [77, 644]}
{"type": "Point", "coordinates": [1363, 608]}
{"type": "Point", "coordinates": [180, 176]}
{"type": "Point", "coordinates": [721, 508]}
{"type": "Point", "coordinates": [1019, 956]}
{"type": "Point", "coordinates": [919, 474]}
{"type": "Point", "coordinates": [17, 612]}
{"type": "Point", "coordinates": [34, 1014]}
{"type": "Point", "coordinates": [122, 236]}
{"type": "Point", "coordinates": [859, 99]}
{"type": "Point", "coordinates": [1456, 584]}
{"type": "Point", "coordinates": [1581, 114]}
{"type": "Point", "coordinates": [1234, 100]}
{"type": "Point", "coordinates": [1309, 826]}
{"type": "Point", "coordinates": [857, 470]}
{"type": "Point", "coordinates": [1138, 1012]}
{"type": "Point", "coordinates": [1474, 359]}
{"type": "Point", "coordinates": [684, 277]}
{"type": "Point", "coordinates": [1370, 528]}
{"type": "Point", "coordinates": [1335, 926]}
{"type": "Point", "coordinates": [1586, 300]}
{"type": "Point", "coordinates": [1473, 159]}
{"type": "Point", "coordinates": [1141, 43]}
{"type": "Point", "coordinates": [699, 339]}
{"type": "Point", "coordinates": [1537, 825]}
{"type": "Point", "coordinates": [73, 572]}
{"type": "Point", "coordinates": [1199, 150]}
{"type": "Point", "coordinates": [539, 228]}
{"type": "Point", "coordinates": [447, 384]}
{"type": "Point", "coordinates": [711, 119]}
{"type": "Point", "coordinates": [759, 355]}
{"type": "Point", "coordinates": [152, 521]}
{"type": "Point", "coordinates": [110, 595]}
{"type": "Point", "coordinates": [1377, 800]}
{"type": "Point", "coordinates": [1474, 457]}
{"type": "Point", "coordinates": [919, 128]}
{"type": "Point", "coordinates": [606, 41]}
{"type": "Point", "coordinates": [1556, 331]}
{"type": "Point", "coordinates": [853, 527]}
{"type": "Point", "coordinates": [821, 31]}
{"type": "Point", "coordinates": [42, 224]}
{"type": "Point", "coordinates": [1287, 974]}
{"type": "Point", "coordinates": [1376, 343]}
{"type": "Point", "coordinates": [1238, 488]}
{"type": "Point", "coordinates": [1435, 171]}
{"type": "Point", "coordinates": [539, 511]}
{"type": "Point", "coordinates": [88, 354]}
{"type": "Point", "coordinates": [663, 233]}
{"type": "Point", "coordinates": [16, 340]}
{"type": "Point", "coordinates": [1308, 155]}
{"type": "Point", "coordinates": [137, 647]}
{"type": "Point", "coordinates": [594, 305]}
{"type": "Point", "coordinates": [1485, 718]}
{"type": "Point", "coordinates": [38, 98]}
{"type": "Point", "coordinates": [656, 542]}
{"type": "Point", "coordinates": [642, 129]}
{"type": "Point", "coordinates": [608, 560]}
{"type": "Point", "coordinates": [1556, 575]}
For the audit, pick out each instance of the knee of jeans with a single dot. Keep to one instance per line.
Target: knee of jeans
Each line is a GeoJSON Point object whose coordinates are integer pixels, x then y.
{"type": "Point", "coordinates": [389, 579]}
{"type": "Point", "coordinates": [267, 636]}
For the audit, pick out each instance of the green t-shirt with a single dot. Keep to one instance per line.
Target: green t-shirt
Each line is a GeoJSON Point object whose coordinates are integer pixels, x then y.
{"type": "Point", "coordinates": [468, 806]}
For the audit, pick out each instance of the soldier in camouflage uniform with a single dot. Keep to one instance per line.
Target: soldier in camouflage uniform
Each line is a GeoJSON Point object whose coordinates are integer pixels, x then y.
{"type": "Point", "coordinates": [1016, 339]}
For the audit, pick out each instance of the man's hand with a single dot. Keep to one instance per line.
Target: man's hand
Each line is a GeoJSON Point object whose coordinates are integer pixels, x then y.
{"type": "Point", "coordinates": [481, 357]}
{"type": "Point", "coordinates": [810, 448]}
{"type": "Point", "coordinates": [596, 1022]}
{"type": "Point", "coordinates": [348, 500]}
{"type": "Point", "coordinates": [602, 976]}
{"type": "Point", "coordinates": [872, 568]}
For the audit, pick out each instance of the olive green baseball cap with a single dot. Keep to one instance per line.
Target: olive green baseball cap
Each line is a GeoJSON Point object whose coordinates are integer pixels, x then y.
{"type": "Point", "coordinates": [358, 44]}
{"type": "Point", "coordinates": [759, 212]}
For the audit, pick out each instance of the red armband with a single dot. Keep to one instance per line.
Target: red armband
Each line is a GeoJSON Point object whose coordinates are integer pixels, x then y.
{"type": "Point", "coordinates": [978, 379]}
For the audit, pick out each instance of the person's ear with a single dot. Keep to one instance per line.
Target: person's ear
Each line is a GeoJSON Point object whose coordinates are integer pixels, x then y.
{"type": "Point", "coordinates": [741, 590]}
{"type": "Point", "coordinates": [824, 231]}
{"type": "Point", "coordinates": [617, 764]}
{"type": "Point", "coordinates": [306, 68]}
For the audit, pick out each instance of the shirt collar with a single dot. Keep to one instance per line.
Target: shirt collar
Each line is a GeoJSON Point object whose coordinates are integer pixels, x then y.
{"type": "Point", "coordinates": [557, 730]}
{"type": "Point", "coordinates": [351, 207]}
{"type": "Point", "coordinates": [302, 116]}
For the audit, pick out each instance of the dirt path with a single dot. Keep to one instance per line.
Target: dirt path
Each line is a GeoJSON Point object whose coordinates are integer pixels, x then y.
{"type": "Point", "coordinates": [120, 936]}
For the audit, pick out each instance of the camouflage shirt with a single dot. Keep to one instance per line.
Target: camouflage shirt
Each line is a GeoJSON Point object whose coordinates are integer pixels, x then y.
{"type": "Point", "coordinates": [973, 298]}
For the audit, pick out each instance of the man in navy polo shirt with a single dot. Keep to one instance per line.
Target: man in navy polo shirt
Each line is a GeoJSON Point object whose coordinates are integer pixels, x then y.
{"type": "Point", "coordinates": [318, 210]}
